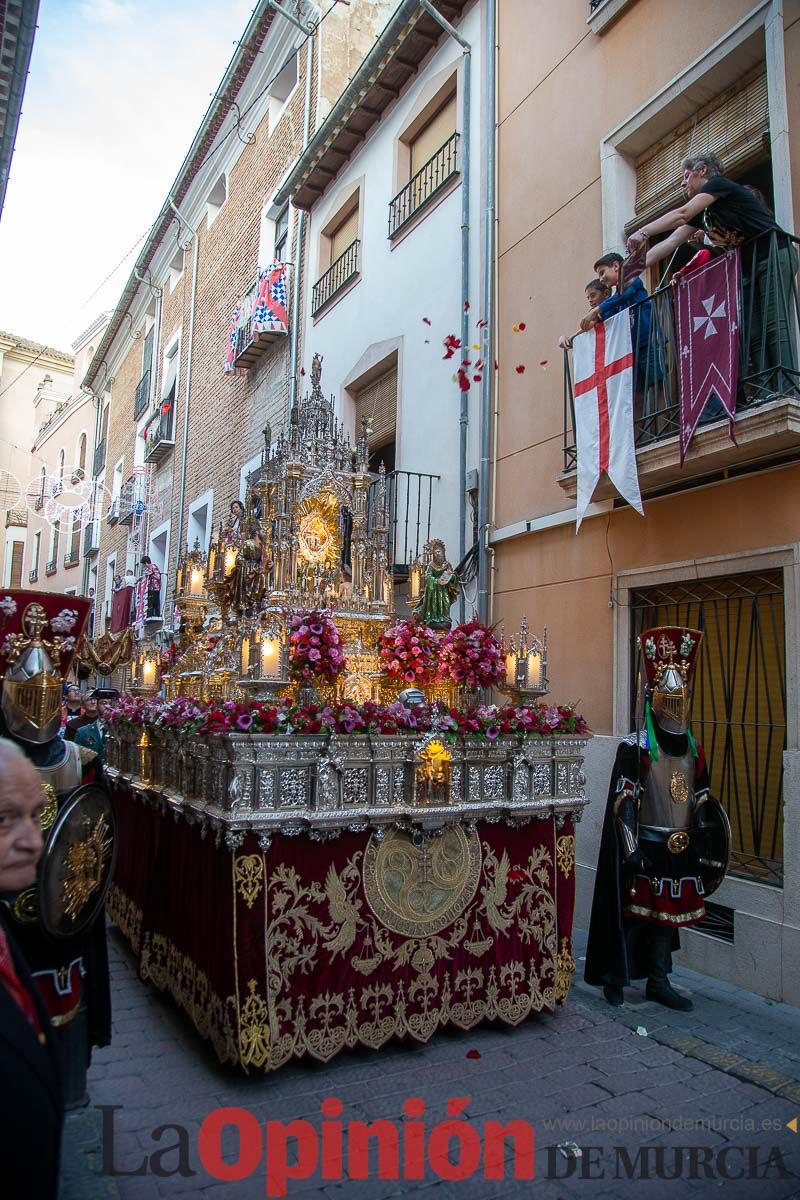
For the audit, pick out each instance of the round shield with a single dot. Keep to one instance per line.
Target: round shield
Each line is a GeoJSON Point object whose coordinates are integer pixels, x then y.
{"type": "Point", "coordinates": [715, 843]}
{"type": "Point", "coordinates": [78, 862]}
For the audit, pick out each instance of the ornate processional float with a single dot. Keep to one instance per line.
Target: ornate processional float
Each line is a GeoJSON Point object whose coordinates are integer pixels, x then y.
{"type": "Point", "coordinates": [359, 847]}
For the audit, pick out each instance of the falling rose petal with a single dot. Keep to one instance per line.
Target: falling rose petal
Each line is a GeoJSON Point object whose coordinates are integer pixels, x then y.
{"type": "Point", "coordinates": [522, 327]}
{"type": "Point", "coordinates": [463, 379]}
{"type": "Point", "coordinates": [473, 1054]}
{"type": "Point", "coordinates": [482, 324]}
{"type": "Point", "coordinates": [520, 369]}
{"type": "Point", "coordinates": [427, 341]}
{"type": "Point", "coordinates": [302, 370]}
{"type": "Point", "coordinates": [477, 378]}
{"type": "Point", "coordinates": [466, 306]}
{"type": "Point", "coordinates": [496, 365]}
{"type": "Point", "coordinates": [426, 320]}
{"type": "Point", "coordinates": [544, 362]}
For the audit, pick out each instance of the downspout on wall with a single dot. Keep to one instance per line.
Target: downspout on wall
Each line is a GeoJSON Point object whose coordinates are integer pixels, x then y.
{"type": "Point", "coordinates": [486, 471]}
{"type": "Point", "coordinates": [301, 229]}
{"type": "Point", "coordinates": [463, 417]}
{"type": "Point", "coordinates": [185, 444]}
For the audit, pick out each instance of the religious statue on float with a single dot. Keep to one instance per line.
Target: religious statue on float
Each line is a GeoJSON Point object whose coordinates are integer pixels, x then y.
{"type": "Point", "coordinates": [440, 588]}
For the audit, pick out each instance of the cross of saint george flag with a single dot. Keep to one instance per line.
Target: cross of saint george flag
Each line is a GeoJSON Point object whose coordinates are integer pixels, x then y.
{"type": "Point", "coordinates": [603, 391]}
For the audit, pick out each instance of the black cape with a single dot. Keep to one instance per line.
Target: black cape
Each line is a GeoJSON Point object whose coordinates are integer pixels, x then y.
{"type": "Point", "coordinates": [617, 949]}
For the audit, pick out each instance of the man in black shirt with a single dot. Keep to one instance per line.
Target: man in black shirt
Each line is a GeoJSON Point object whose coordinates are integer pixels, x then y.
{"type": "Point", "coordinates": [731, 214]}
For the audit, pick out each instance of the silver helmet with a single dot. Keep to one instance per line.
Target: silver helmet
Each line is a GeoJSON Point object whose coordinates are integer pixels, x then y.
{"type": "Point", "coordinates": [31, 700]}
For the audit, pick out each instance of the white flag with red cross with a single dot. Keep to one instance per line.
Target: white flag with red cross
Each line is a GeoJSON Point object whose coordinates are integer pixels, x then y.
{"type": "Point", "coordinates": [603, 392]}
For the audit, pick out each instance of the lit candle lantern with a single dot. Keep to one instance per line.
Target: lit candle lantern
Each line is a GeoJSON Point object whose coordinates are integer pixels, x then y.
{"type": "Point", "coordinates": [196, 582]}
{"type": "Point", "coordinates": [270, 655]}
{"type": "Point", "coordinates": [534, 669]}
{"type": "Point", "coordinates": [245, 657]}
{"type": "Point", "coordinates": [511, 669]}
{"type": "Point", "coordinates": [148, 672]}
{"type": "Point", "coordinates": [230, 559]}
{"type": "Point", "coordinates": [212, 558]}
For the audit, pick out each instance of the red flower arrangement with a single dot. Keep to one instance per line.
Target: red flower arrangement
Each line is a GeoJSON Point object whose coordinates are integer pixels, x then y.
{"type": "Point", "coordinates": [472, 655]}
{"type": "Point", "coordinates": [315, 647]}
{"type": "Point", "coordinates": [410, 652]}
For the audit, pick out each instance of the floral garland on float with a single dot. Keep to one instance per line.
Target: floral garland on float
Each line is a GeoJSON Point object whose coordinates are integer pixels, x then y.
{"type": "Point", "coordinates": [410, 652]}
{"type": "Point", "coordinates": [188, 717]}
{"type": "Point", "coordinates": [472, 657]}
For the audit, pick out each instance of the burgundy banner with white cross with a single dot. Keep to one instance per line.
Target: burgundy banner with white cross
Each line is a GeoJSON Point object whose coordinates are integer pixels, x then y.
{"type": "Point", "coordinates": [707, 337]}
{"type": "Point", "coordinates": [603, 391]}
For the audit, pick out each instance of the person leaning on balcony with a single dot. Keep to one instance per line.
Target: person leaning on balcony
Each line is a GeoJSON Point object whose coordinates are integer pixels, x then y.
{"type": "Point", "coordinates": [596, 291]}
{"type": "Point", "coordinates": [731, 214]}
{"type": "Point", "coordinates": [635, 297]}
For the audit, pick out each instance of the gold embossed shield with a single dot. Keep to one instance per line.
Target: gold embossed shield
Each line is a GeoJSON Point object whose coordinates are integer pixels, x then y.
{"type": "Point", "coordinates": [78, 862]}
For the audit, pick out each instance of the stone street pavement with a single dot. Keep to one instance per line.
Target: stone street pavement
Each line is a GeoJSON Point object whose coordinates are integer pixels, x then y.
{"type": "Point", "coordinates": [689, 1105]}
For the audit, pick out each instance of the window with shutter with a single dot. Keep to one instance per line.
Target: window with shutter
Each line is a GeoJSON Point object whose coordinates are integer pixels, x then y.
{"type": "Point", "coordinates": [433, 135]}
{"type": "Point", "coordinates": [17, 550]}
{"type": "Point", "coordinates": [377, 404]}
{"type": "Point", "coordinates": [344, 235]}
{"type": "Point", "coordinates": [734, 126]}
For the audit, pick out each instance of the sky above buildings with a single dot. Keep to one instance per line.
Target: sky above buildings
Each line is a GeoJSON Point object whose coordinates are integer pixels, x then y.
{"type": "Point", "coordinates": [116, 91]}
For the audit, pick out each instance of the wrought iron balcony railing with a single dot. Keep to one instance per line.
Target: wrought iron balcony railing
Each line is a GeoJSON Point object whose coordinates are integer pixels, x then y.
{"type": "Point", "coordinates": [142, 395]}
{"type": "Point", "coordinates": [160, 439]}
{"type": "Point", "coordinates": [424, 185]}
{"type": "Point", "coordinates": [338, 274]}
{"type": "Point", "coordinates": [258, 328]}
{"type": "Point", "coordinates": [33, 575]}
{"type": "Point", "coordinates": [409, 507]}
{"type": "Point", "coordinates": [112, 516]}
{"type": "Point", "coordinates": [769, 366]}
{"type": "Point", "coordinates": [99, 460]}
{"type": "Point", "coordinates": [71, 558]}
{"type": "Point", "coordinates": [51, 567]}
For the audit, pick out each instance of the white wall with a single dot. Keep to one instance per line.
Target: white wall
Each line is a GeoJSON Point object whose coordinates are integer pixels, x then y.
{"type": "Point", "coordinates": [419, 276]}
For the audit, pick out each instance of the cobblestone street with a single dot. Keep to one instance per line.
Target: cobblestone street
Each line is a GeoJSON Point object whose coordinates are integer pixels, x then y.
{"type": "Point", "coordinates": [724, 1078]}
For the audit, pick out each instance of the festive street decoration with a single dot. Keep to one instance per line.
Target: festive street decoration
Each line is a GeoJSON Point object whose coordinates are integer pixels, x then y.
{"type": "Point", "coordinates": [603, 391]}
{"type": "Point", "coordinates": [707, 335]}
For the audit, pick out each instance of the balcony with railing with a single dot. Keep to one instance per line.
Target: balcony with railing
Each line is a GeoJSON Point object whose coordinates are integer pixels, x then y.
{"type": "Point", "coordinates": [767, 424]}
{"type": "Point", "coordinates": [99, 460]}
{"type": "Point", "coordinates": [410, 497]}
{"type": "Point", "coordinates": [51, 567]}
{"type": "Point", "coordinates": [33, 575]}
{"type": "Point", "coordinates": [112, 516]}
{"type": "Point", "coordinates": [260, 318]}
{"type": "Point", "coordinates": [71, 558]}
{"type": "Point", "coordinates": [141, 396]}
{"type": "Point", "coordinates": [426, 183]}
{"type": "Point", "coordinates": [340, 273]}
{"type": "Point", "coordinates": [91, 538]}
{"type": "Point", "coordinates": [159, 439]}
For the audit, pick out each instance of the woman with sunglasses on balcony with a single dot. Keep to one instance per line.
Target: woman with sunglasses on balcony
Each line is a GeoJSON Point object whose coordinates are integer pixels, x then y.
{"type": "Point", "coordinates": [732, 214]}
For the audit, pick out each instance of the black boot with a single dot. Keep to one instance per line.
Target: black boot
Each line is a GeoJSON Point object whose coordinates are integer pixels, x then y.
{"type": "Point", "coordinates": [614, 995]}
{"type": "Point", "coordinates": [658, 985]}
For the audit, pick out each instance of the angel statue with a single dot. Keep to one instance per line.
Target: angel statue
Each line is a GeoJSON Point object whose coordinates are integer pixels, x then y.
{"type": "Point", "coordinates": [440, 590]}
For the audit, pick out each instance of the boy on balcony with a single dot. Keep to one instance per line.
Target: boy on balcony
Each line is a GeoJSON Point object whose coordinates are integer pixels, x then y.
{"type": "Point", "coordinates": [596, 291]}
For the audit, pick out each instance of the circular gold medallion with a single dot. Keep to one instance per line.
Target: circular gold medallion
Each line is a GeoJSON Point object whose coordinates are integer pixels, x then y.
{"type": "Point", "coordinates": [418, 890]}
{"type": "Point", "coordinates": [50, 806]}
{"type": "Point", "coordinates": [679, 788]}
{"type": "Point", "coordinates": [25, 907]}
{"type": "Point", "coordinates": [677, 842]}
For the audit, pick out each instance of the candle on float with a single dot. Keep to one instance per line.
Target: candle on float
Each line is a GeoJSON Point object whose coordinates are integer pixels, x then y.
{"type": "Point", "coordinates": [212, 558]}
{"type": "Point", "coordinates": [511, 669]}
{"type": "Point", "coordinates": [196, 581]}
{"type": "Point", "coordinates": [148, 672]}
{"type": "Point", "coordinates": [270, 649]}
{"type": "Point", "coordinates": [534, 669]}
{"type": "Point", "coordinates": [245, 658]}
{"type": "Point", "coordinates": [231, 554]}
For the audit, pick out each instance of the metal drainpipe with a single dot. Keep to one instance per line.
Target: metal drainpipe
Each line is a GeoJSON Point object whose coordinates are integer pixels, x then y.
{"type": "Point", "coordinates": [98, 410]}
{"type": "Point", "coordinates": [185, 446]}
{"type": "Point", "coordinates": [463, 418]}
{"type": "Point", "coordinates": [301, 228]}
{"type": "Point", "coordinates": [489, 384]}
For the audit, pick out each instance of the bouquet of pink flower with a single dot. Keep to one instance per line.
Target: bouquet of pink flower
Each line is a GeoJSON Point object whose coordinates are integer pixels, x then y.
{"type": "Point", "coordinates": [472, 655]}
{"type": "Point", "coordinates": [315, 647]}
{"type": "Point", "coordinates": [410, 652]}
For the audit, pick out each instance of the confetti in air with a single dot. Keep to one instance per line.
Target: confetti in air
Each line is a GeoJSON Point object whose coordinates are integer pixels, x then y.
{"type": "Point", "coordinates": [426, 320]}
{"type": "Point", "coordinates": [521, 369]}
{"type": "Point", "coordinates": [451, 343]}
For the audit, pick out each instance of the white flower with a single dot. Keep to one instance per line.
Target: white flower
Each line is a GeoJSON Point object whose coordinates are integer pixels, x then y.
{"type": "Point", "coordinates": [8, 606]}
{"type": "Point", "coordinates": [64, 621]}
{"type": "Point", "coordinates": [68, 645]}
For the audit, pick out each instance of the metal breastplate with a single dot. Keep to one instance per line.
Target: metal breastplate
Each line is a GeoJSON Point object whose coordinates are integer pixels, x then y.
{"type": "Point", "coordinates": [667, 798]}
{"type": "Point", "coordinates": [66, 776]}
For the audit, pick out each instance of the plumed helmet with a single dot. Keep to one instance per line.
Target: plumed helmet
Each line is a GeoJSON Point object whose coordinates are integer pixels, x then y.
{"type": "Point", "coordinates": [669, 657]}
{"type": "Point", "coordinates": [35, 664]}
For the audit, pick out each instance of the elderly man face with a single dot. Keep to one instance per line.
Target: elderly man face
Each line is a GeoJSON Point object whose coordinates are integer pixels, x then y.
{"type": "Point", "coordinates": [90, 707]}
{"type": "Point", "coordinates": [21, 805]}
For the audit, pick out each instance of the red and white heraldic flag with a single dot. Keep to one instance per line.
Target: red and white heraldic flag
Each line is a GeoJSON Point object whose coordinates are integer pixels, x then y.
{"type": "Point", "coordinates": [707, 335]}
{"type": "Point", "coordinates": [603, 392]}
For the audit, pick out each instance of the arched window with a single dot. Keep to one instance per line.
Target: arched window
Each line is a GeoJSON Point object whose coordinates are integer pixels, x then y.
{"type": "Point", "coordinates": [82, 455]}
{"type": "Point", "coordinates": [42, 485]}
{"type": "Point", "coordinates": [61, 467]}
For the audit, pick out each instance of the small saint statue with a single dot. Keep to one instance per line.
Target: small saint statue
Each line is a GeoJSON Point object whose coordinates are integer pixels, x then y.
{"type": "Point", "coordinates": [440, 589]}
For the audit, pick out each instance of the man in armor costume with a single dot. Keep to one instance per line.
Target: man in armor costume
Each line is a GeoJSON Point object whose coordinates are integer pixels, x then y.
{"type": "Point", "coordinates": [38, 635]}
{"type": "Point", "coordinates": [665, 841]}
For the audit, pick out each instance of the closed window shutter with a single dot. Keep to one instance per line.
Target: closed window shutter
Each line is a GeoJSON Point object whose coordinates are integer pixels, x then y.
{"type": "Point", "coordinates": [344, 236]}
{"type": "Point", "coordinates": [377, 403]}
{"type": "Point", "coordinates": [439, 130]}
{"type": "Point", "coordinates": [17, 550]}
{"type": "Point", "coordinates": [734, 126]}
